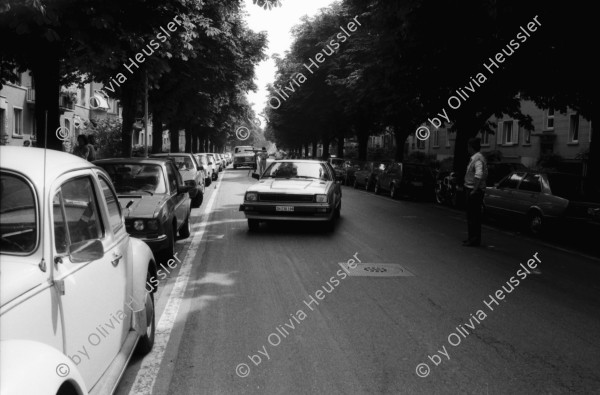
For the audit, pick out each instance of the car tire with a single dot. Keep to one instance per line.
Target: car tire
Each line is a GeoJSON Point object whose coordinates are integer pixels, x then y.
{"type": "Point", "coordinates": [168, 252]}
{"type": "Point", "coordinates": [439, 197]}
{"type": "Point", "coordinates": [146, 342]}
{"type": "Point", "coordinates": [185, 230]}
{"type": "Point", "coordinates": [377, 189]}
{"type": "Point", "coordinates": [208, 181]}
{"type": "Point", "coordinates": [198, 199]}
{"type": "Point", "coordinates": [535, 222]}
{"type": "Point", "coordinates": [214, 176]}
{"type": "Point", "coordinates": [235, 166]}
{"type": "Point", "coordinates": [253, 224]}
{"type": "Point", "coordinates": [338, 211]}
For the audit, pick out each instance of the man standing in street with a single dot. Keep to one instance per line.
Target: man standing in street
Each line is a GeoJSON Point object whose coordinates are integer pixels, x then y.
{"type": "Point", "coordinates": [474, 188]}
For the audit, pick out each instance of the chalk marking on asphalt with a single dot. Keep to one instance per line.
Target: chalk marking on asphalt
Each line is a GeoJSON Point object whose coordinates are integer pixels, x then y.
{"type": "Point", "coordinates": [146, 376]}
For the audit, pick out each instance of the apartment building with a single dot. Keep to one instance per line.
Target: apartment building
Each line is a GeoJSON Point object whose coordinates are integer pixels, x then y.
{"type": "Point", "coordinates": [566, 134]}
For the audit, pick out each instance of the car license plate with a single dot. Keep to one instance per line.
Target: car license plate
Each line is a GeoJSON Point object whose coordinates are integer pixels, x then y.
{"type": "Point", "coordinates": [284, 208]}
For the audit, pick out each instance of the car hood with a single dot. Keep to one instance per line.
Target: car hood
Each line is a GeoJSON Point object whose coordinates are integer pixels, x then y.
{"type": "Point", "coordinates": [17, 277]}
{"type": "Point", "coordinates": [291, 186]}
{"type": "Point", "coordinates": [142, 206]}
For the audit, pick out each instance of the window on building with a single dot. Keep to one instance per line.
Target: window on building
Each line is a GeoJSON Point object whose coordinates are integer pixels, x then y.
{"type": "Point", "coordinates": [18, 121]}
{"type": "Point", "coordinates": [485, 138]}
{"type": "Point", "coordinates": [526, 135]}
{"type": "Point", "coordinates": [2, 120]}
{"type": "Point", "coordinates": [447, 139]}
{"type": "Point", "coordinates": [435, 135]}
{"type": "Point", "coordinates": [574, 128]}
{"type": "Point", "coordinates": [509, 137]}
{"type": "Point", "coordinates": [82, 96]}
{"type": "Point", "coordinates": [420, 144]}
{"type": "Point", "coordinates": [550, 119]}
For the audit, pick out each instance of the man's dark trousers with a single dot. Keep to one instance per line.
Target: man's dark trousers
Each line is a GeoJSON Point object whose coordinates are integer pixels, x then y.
{"type": "Point", "coordinates": [474, 203]}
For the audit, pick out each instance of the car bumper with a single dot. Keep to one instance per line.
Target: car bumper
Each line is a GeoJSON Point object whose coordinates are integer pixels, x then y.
{"type": "Point", "coordinates": [156, 244]}
{"type": "Point", "coordinates": [302, 212]}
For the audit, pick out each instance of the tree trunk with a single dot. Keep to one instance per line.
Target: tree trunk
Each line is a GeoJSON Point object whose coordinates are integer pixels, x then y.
{"type": "Point", "coordinates": [188, 140]}
{"type": "Point", "coordinates": [306, 150]}
{"type": "Point", "coordinates": [340, 146]}
{"type": "Point", "coordinates": [174, 137]}
{"type": "Point", "coordinates": [314, 149]}
{"type": "Point", "coordinates": [46, 72]}
{"type": "Point", "coordinates": [156, 132]}
{"type": "Point", "coordinates": [129, 103]}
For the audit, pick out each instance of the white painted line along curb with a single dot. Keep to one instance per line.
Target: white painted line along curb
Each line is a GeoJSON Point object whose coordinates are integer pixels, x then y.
{"type": "Point", "coordinates": [146, 376]}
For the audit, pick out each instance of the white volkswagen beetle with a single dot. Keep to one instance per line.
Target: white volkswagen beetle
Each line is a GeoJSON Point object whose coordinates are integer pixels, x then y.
{"type": "Point", "coordinates": [73, 300]}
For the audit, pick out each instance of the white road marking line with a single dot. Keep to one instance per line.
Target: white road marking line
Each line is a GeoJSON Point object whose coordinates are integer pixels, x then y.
{"type": "Point", "coordinates": [146, 376]}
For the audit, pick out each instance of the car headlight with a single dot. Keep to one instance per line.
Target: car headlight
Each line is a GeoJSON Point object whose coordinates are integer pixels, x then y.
{"type": "Point", "coordinates": [321, 198]}
{"type": "Point", "coordinates": [251, 196]}
{"type": "Point", "coordinates": [152, 224]}
{"type": "Point", "coordinates": [138, 224]}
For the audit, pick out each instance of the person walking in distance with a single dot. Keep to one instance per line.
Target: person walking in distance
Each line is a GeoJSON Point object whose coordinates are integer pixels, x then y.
{"type": "Point", "coordinates": [262, 160]}
{"type": "Point", "coordinates": [92, 147]}
{"type": "Point", "coordinates": [82, 150]}
{"type": "Point", "coordinates": [475, 178]}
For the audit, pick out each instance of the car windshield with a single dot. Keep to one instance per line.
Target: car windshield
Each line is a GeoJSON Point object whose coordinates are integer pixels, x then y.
{"type": "Point", "coordinates": [289, 170]}
{"type": "Point", "coordinates": [18, 215]}
{"type": "Point", "coordinates": [571, 187]}
{"type": "Point", "coordinates": [183, 163]}
{"type": "Point", "coordinates": [130, 178]}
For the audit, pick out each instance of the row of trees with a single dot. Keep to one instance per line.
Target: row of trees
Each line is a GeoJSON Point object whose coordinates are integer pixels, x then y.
{"type": "Point", "coordinates": [197, 77]}
{"type": "Point", "coordinates": [408, 57]}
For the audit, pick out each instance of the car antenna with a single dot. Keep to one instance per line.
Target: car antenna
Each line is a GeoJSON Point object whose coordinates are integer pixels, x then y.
{"type": "Point", "coordinates": [42, 264]}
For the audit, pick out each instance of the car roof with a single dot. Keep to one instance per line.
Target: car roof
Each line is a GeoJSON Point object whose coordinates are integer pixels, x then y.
{"type": "Point", "coordinates": [166, 155]}
{"type": "Point", "coordinates": [301, 161]}
{"type": "Point", "coordinates": [153, 161]}
{"type": "Point", "coordinates": [30, 161]}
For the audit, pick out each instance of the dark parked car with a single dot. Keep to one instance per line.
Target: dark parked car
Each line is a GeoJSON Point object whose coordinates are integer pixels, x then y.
{"type": "Point", "coordinates": [406, 179]}
{"type": "Point", "coordinates": [191, 171]}
{"type": "Point", "coordinates": [544, 198]}
{"type": "Point", "coordinates": [154, 199]}
{"type": "Point", "coordinates": [366, 175]}
{"type": "Point", "coordinates": [351, 167]}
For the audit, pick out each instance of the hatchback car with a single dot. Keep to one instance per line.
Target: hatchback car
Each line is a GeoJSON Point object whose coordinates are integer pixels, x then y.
{"type": "Point", "coordinates": [406, 179]}
{"type": "Point", "coordinates": [192, 172]}
{"type": "Point", "coordinates": [543, 199]}
{"type": "Point", "coordinates": [212, 161]}
{"type": "Point", "coordinates": [208, 168]}
{"type": "Point", "coordinates": [68, 269]}
{"type": "Point", "coordinates": [298, 190]}
{"type": "Point", "coordinates": [154, 199]}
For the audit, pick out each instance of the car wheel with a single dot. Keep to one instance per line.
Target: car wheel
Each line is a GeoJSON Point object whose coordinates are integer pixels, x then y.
{"type": "Point", "coordinates": [146, 342]}
{"type": "Point", "coordinates": [535, 223]}
{"type": "Point", "coordinates": [214, 176]}
{"type": "Point", "coordinates": [197, 202]}
{"type": "Point", "coordinates": [253, 224]}
{"type": "Point", "coordinates": [186, 230]}
{"type": "Point", "coordinates": [338, 211]}
{"type": "Point", "coordinates": [235, 166]}
{"type": "Point", "coordinates": [208, 181]}
{"type": "Point", "coordinates": [377, 189]}
{"type": "Point", "coordinates": [169, 251]}
{"type": "Point", "coordinates": [439, 198]}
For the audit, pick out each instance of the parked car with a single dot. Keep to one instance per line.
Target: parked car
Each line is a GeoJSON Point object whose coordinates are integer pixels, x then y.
{"type": "Point", "coordinates": [367, 174]}
{"type": "Point", "coordinates": [219, 161]}
{"type": "Point", "coordinates": [298, 190]}
{"type": "Point", "coordinates": [352, 166]}
{"type": "Point", "coordinates": [229, 158]}
{"type": "Point", "coordinates": [339, 166]}
{"type": "Point", "coordinates": [68, 267]}
{"type": "Point", "coordinates": [203, 160]}
{"type": "Point", "coordinates": [154, 198]}
{"type": "Point", "coordinates": [543, 199]}
{"type": "Point", "coordinates": [215, 165]}
{"type": "Point", "coordinates": [192, 172]}
{"type": "Point", "coordinates": [244, 155]}
{"type": "Point", "coordinates": [406, 179]}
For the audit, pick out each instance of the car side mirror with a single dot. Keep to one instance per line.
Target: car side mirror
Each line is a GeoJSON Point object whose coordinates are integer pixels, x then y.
{"type": "Point", "coordinates": [256, 176]}
{"type": "Point", "coordinates": [183, 189]}
{"type": "Point", "coordinates": [86, 251]}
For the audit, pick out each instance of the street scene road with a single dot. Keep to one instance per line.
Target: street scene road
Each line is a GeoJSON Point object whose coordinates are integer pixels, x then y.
{"type": "Point", "coordinates": [298, 197]}
{"type": "Point", "coordinates": [369, 334]}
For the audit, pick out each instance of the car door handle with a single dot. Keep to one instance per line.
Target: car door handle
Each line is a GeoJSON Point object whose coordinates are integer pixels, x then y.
{"type": "Point", "coordinates": [116, 258]}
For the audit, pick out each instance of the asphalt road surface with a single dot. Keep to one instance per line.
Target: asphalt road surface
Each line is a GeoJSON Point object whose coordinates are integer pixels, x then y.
{"type": "Point", "coordinates": [241, 313]}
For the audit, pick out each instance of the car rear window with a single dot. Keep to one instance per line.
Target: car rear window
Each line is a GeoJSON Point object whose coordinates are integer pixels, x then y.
{"type": "Point", "coordinates": [18, 215]}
